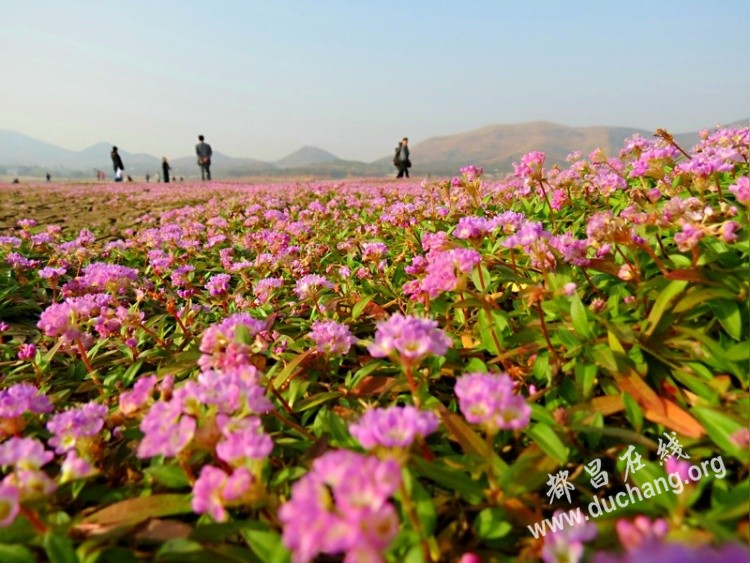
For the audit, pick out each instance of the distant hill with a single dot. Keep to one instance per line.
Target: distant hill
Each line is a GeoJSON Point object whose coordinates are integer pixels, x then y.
{"type": "Point", "coordinates": [17, 149]}
{"type": "Point", "coordinates": [306, 156]}
{"type": "Point", "coordinates": [497, 147]}
{"type": "Point", "coordinates": [494, 147]}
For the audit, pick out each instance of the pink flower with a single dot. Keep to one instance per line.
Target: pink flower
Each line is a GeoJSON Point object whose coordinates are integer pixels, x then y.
{"type": "Point", "coordinates": [411, 338]}
{"type": "Point", "coordinates": [741, 438]}
{"type": "Point", "coordinates": [640, 531]}
{"type": "Point", "coordinates": [218, 285]}
{"type": "Point", "coordinates": [530, 167]}
{"type": "Point", "coordinates": [9, 504]}
{"type": "Point", "coordinates": [222, 344]}
{"type": "Point", "coordinates": [26, 351]}
{"type": "Point", "coordinates": [741, 190]}
{"type": "Point", "coordinates": [394, 427]}
{"type": "Point", "coordinates": [689, 236]}
{"type": "Point", "coordinates": [22, 398]}
{"type": "Point", "coordinates": [131, 401]}
{"type": "Point", "coordinates": [214, 488]}
{"type": "Point", "coordinates": [309, 286]}
{"type": "Point", "coordinates": [342, 506]}
{"type": "Point", "coordinates": [488, 399]}
{"type": "Point", "coordinates": [566, 544]}
{"type": "Point", "coordinates": [678, 466]}
{"type": "Point", "coordinates": [243, 442]}
{"type": "Point", "coordinates": [332, 338]}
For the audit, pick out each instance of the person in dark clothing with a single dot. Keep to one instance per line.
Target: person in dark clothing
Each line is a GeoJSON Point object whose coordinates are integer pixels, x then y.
{"type": "Point", "coordinates": [165, 168]}
{"type": "Point", "coordinates": [401, 158]}
{"type": "Point", "coordinates": [204, 152]}
{"type": "Point", "coordinates": [117, 164]}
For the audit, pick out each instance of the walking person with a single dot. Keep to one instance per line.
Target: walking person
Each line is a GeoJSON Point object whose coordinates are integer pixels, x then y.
{"type": "Point", "coordinates": [401, 158]}
{"type": "Point", "coordinates": [203, 151]}
{"type": "Point", "coordinates": [117, 164]}
{"type": "Point", "coordinates": [165, 168]}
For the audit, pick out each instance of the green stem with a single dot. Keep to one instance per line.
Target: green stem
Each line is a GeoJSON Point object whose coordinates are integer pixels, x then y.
{"type": "Point", "coordinates": [491, 477]}
{"type": "Point", "coordinates": [411, 513]}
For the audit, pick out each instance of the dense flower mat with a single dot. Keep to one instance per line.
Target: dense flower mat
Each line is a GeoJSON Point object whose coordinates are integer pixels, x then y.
{"type": "Point", "coordinates": [458, 369]}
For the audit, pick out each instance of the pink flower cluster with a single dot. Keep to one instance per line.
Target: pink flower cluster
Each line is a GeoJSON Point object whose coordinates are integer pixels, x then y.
{"type": "Point", "coordinates": [394, 427]}
{"type": "Point", "coordinates": [488, 399]}
{"type": "Point", "coordinates": [69, 319]}
{"type": "Point", "coordinates": [215, 489]}
{"type": "Point", "coordinates": [222, 346]}
{"type": "Point", "coordinates": [218, 285]}
{"type": "Point", "coordinates": [216, 397]}
{"type": "Point", "coordinates": [25, 481]}
{"type": "Point", "coordinates": [309, 286]}
{"type": "Point", "coordinates": [332, 338]}
{"type": "Point", "coordinates": [72, 428]}
{"type": "Point", "coordinates": [410, 338]}
{"type": "Point", "coordinates": [342, 506]}
{"type": "Point", "coordinates": [100, 277]}
{"type": "Point", "coordinates": [23, 398]}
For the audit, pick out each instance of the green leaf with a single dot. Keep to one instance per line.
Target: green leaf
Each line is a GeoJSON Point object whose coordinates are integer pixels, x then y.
{"type": "Point", "coordinates": [650, 473]}
{"type": "Point", "coordinates": [662, 303]}
{"type": "Point", "coordinates": [171, 476]}
{"type": "Point", "coordinates": [289, 369]}
{"type": "Point", "coordinates": [485, 328]}
{"type": "Point", "coordinates": [740, 352]}
{"type": "Point", "coordinates": [182, 550]}
{"type": "Point", "coordinates": [585, 375]}
{"type": "Point", "coordinates": [604, 358]}
{"type": "Point", "coordinates": [528, 472]}
{"type": "Point", "coordinates": [59, 548]}
{"type": "Point", "coordinates": [451, 479]}
{"type": "Point", "coordinates": [633, 411]}
{"type": "Point", "coordinates": [315, 401]}
{"type": "Point", "coordinates": [491, 524]}
{"type": "Point", "coordinates": [242, 334]}
{"type": "Point", "coordinates": [720, 428]}
{"type": "Point", "coordinates": [481, 278]}
{"type": "Point", "coordinates": [360, 306]}
{"type": "Point", "coordinates": [16, 554]}
{"type": "Point", "coordinates": [728, 313]}
{"type": "Point", "coordinates": [265, 543]}
{"type": "Point", "coordinates": [579, 318]}
{"type": "Point", "coordinates": [549, 442]}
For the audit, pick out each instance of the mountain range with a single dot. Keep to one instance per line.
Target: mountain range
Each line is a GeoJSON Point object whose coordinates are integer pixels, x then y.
{"type": "Point", "coordinates": [494, 147]}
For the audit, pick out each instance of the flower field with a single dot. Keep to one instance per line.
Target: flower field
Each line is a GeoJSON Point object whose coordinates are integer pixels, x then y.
{"type": "Point", "coordinates": [451, 370]}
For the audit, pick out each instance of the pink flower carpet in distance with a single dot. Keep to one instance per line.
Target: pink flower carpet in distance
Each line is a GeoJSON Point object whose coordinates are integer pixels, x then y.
{"type": "Point", "coordinates": [372, 370]}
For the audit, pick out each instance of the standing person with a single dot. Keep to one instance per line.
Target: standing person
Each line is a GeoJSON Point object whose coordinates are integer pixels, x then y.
{"type": "Point", "coordinates": [203, 151]}
{"type": "Point", "coordinates": [117, 164]}
{"type": "Point", "coordinates": [401, 158]}
{"type": "Point", "coordinates": [165, 168]}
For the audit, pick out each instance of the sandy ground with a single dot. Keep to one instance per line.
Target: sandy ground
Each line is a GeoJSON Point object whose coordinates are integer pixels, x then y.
{"type": "Point", "coordinates": [105, 208]}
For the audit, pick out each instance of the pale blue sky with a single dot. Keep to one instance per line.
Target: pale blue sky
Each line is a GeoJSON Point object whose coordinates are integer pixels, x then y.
{"type": "Point", "coordinates": [263, 78]}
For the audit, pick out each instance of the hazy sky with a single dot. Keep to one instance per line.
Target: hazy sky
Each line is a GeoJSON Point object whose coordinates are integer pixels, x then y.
{"type": "Point", "coordinates": [263, 78]}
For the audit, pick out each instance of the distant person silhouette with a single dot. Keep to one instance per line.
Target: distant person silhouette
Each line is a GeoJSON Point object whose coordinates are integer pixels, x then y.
{"type": "Point", "coordinates": [148, 177]}
{"type": "Point", "coordinates": [401, 158]}
{"type": "Point", "coordinates": [117, 164]}
{"type": "Point", "coordinates": [204, 152]}
{"type": "Point", "coordinates": [165, 168]}
{"type": "Point", "coordinates": [48, 177]}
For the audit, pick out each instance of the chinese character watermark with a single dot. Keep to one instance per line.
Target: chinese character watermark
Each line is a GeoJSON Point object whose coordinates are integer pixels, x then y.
{"type": "Point", "coordinates": [633, 461]}
{"type": "Point", "coordinates": [559, 486]}
{"type": "Point", "coordinates": [599, 478]}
